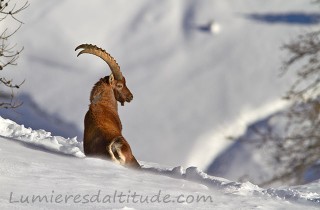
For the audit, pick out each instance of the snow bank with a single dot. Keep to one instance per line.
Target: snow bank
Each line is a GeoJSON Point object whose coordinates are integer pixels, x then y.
{"type": "Point", "coordinates": [92, 173]}
{"type": "Point", "coordinates": [40, 138]}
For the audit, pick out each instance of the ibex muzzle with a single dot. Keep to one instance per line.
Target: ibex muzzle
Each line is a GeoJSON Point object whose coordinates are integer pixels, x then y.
{"type": "Point", "coordinates": [102, 126]}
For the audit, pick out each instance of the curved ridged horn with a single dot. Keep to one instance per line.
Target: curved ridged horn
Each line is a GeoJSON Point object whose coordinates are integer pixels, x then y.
{"type": "Point", "coordinates": [101, 53]}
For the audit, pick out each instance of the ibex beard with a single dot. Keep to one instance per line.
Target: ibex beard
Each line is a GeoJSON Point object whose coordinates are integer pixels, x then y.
{"type": "Point", "coordinates": [102, 126]}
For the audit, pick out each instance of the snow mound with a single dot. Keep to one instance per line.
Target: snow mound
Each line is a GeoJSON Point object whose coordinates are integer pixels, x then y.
{"type": "Point", "coordinates": [40, 138]}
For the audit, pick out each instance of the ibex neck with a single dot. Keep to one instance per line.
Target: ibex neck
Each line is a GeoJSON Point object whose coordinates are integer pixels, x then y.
{"type": "Point", "coordinates": [102, 94]}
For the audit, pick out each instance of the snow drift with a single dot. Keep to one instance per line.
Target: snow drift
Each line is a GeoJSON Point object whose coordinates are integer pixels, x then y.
{"type": "Point", "coordinates": [44, 163]}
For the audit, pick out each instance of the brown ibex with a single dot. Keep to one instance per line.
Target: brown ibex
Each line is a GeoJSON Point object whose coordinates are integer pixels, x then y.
{"type": "Point", "coordinates": [102, 126]}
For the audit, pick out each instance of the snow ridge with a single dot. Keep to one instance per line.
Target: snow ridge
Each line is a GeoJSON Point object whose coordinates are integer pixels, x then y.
{"type": "Point", "coordinates": [41, 139]}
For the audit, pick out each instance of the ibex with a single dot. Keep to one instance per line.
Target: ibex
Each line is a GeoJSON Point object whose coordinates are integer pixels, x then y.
{"type": "Point", "coordinates": [102, 126]}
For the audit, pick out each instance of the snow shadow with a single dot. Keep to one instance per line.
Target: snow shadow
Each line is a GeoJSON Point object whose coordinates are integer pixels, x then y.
{"type": "Point", "coordinates": [294, 18]}
{"type": "Point", "coordinates": [32, 115]}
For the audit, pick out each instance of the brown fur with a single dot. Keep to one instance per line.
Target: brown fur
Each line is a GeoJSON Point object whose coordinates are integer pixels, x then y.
{"type": "Point", "coordinates": [102, 126]}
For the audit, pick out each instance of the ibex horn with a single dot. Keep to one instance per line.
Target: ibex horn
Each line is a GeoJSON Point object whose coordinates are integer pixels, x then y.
{"type": "Point", "coordinates": [94, 50]}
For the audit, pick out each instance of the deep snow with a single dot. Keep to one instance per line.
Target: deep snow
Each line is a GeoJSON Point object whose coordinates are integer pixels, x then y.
{"type": "Point", "coordinates": [41, 171]}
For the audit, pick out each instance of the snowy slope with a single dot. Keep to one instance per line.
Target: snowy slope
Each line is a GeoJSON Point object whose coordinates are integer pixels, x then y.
{"type": "Point", "coordinates": [260, 165]}
{"type": "Point", "coordinates": [250, 158]}
{"type": "Point", "coordinates": [34, 163]}
{"type": "Point", "coordinates": [188, 83]}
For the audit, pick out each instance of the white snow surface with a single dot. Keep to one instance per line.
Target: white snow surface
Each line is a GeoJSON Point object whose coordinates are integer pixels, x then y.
{"type": "Point", "coordinates": [40, 171]}
{"type": "Point", "coordinates": [189, 84]}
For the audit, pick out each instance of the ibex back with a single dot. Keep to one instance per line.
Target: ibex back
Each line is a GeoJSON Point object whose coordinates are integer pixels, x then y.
{"type": "Point", "coordinates": [102, 126]}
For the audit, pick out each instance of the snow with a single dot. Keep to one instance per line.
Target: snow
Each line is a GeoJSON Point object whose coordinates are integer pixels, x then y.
{"type": "Point", "coordinates": [200, 71]}
{"type": "Point", "coordinates": [235, 129]}
{"type": "Point", "coordinates": [259, 156]}
{"type": "Point", "coordinates": [187, 82]}
{"type": "Point", "coordinates": [41, 138]}
{"type": "Point", "coordinates": [38, 173]}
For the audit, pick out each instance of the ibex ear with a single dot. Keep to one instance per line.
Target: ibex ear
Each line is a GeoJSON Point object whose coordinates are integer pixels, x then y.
{"type": "Point", "coordinates": [111, 79]}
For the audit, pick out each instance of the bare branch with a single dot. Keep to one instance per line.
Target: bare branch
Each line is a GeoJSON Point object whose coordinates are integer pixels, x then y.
{"type": "Point", "coordinates": [8, 52]}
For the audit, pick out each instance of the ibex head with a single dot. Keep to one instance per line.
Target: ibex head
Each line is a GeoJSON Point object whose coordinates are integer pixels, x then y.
{"type": "Point", "coordinates": [116, 79]}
